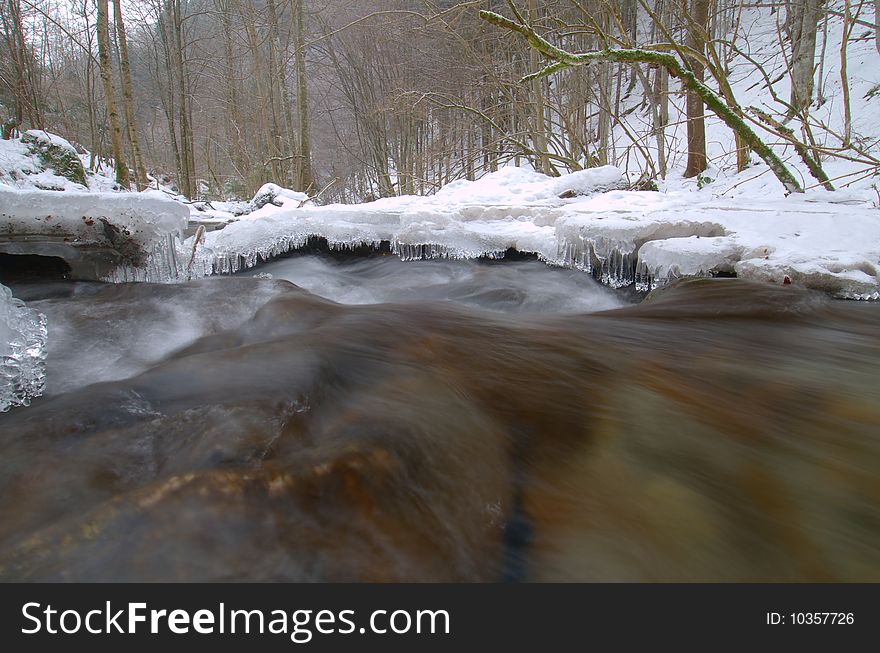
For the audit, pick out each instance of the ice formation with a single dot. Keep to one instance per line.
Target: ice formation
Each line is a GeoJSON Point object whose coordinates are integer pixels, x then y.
{"type": "Point", "coordinates": [583, 220]}
{"type": "Point", "coordinates": [118, 235]}
{"type": "Point", "coordinates": [22, 352]}
{"type": "Point", "coordinates": [829, 242]}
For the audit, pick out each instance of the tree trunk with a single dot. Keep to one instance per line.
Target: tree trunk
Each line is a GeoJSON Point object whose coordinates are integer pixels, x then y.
{"type": "Point", "coordinates": [274, 86]}
{"type": "Point", "coordinates": [166, 96]}
{"type": "Point", "coordinates": [844, 77]}
{"type": "Point", "coordinates": [696, 124]}
{"type": "Point", "coordinates": [262, 136]}
{"type": "Point", "coordinates": [305, 175]}
{"type": "Point", "coordinates": [804, 22]}
{"type": "Point", "coordinates": [233, 133]}
{"type": "Point", "coordinates": [140, 172]}
{"type": "Point", "coordinates": [537, 118]}
{"type": "Point", "coordinates": [604, 110]}
{"type": "Point", "coordinates": [25, 83]}
{"type": "Point", "coordinates": [110, 93]}
{"type": "Point", "coordinates": [187, 155]}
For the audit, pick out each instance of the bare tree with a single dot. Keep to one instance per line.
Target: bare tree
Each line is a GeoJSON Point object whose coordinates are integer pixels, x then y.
{"type": "Point", "coordinates": [24, 82]}
{"type": "Point", "coordinates": [696, 124]}
{"type": "Point", "coordinates": [140, 172]}
{"type": "Point", "coordinates": [103, 27]}
{"type": "Point", "coordinates": [562, 59]}
{"type": "Point", "coordinates": [304, 175]}
{"type": "Point", "coordinates": [803, 24]}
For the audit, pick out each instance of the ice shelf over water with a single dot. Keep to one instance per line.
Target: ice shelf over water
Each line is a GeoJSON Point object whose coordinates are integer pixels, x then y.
{"type": "Point", "coordinates": [95, 233]}
{"type": "Point", "coordinates": [827, 241]}
{"type": "Point", "coordinates": [22, 352]}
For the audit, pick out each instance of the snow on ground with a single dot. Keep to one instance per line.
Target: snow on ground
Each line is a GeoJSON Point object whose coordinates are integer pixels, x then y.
{"type": "Point", "coordinates": [20, 167]}
{"type": "Point", "coordinates": [758, 38]}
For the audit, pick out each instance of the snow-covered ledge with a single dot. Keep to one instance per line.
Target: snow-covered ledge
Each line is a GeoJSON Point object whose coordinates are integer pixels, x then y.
{"type": "Point", "coordinates": [827, 241]}
{"type": "Point", "coordinates": [96, 234]}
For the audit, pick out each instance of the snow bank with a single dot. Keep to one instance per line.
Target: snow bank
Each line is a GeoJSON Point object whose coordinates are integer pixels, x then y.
{"type": "Point", "coordinates": [22, 352]}
{"type": "Point", "coordinates": [21, 166]}
{"type": "Point", "coordinates": [815, 240]}
{"type": "Point", "coordinates": [511, 208]}
{"type": "Point", "coordinates": [525, 186]}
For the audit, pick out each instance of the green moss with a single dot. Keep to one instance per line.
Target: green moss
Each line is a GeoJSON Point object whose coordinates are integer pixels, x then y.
{"type": "Point", "coordinates": [64, 162]}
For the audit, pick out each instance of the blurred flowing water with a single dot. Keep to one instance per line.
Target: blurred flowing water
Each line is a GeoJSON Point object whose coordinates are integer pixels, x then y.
{"type": "Point", "coordinates": [382, 420]}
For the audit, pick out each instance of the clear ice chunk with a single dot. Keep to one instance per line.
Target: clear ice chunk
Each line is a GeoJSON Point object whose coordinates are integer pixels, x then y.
{"type": "Point", "coordinates": [23, 334]}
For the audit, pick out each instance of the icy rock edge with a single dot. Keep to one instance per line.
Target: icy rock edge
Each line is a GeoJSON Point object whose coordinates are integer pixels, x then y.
{"type": "Point", "coordinates": [23, 334]}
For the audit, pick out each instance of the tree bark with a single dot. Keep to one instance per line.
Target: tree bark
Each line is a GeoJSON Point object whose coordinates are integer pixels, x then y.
{"type": "Point", "coordinates": [233, 133]}
{"type": "Point", "coordinates": [696, 123]}
{"type": "Point", "coordinates": [167, 86]}
{"type": "Point", "coordinates": [305, 175]}
{"type": "Point", "coordinates": [187, 155]}
{"type": "Point", "coordinates": [122, 177]}
{"type": "Point", "coordinates": [804, 24]}
{"type": "Point", "coordinates": [275, 77]}
{"type": "Point", "coordinates": [844, 77]}
{"type": "Point", "coordinates": [262, 139]}
{"type": "Point", "coordinates": [140, 172]}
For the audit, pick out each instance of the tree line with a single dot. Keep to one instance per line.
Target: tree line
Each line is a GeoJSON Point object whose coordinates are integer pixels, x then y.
{"type": "Point", "coordinates": [381, 98]}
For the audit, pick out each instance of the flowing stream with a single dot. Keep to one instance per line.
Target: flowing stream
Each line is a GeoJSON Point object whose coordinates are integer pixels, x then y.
{"type": "Point", "coordinates": [370, 419]}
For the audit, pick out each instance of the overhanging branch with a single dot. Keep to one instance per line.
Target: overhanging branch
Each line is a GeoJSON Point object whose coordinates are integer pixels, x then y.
{"type": "Point", "coordinates": [562, 59]}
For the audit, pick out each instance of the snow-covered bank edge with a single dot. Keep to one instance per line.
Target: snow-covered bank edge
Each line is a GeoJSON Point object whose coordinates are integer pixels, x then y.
{"type": "Point", "coordinates": [824, 241]}
{"type": "Point", "coordinates": [819, 240]}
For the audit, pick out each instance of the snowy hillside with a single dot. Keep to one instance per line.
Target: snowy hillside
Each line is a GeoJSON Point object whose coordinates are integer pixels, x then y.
{"type": "Point", "coordinates": [757, 78]}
